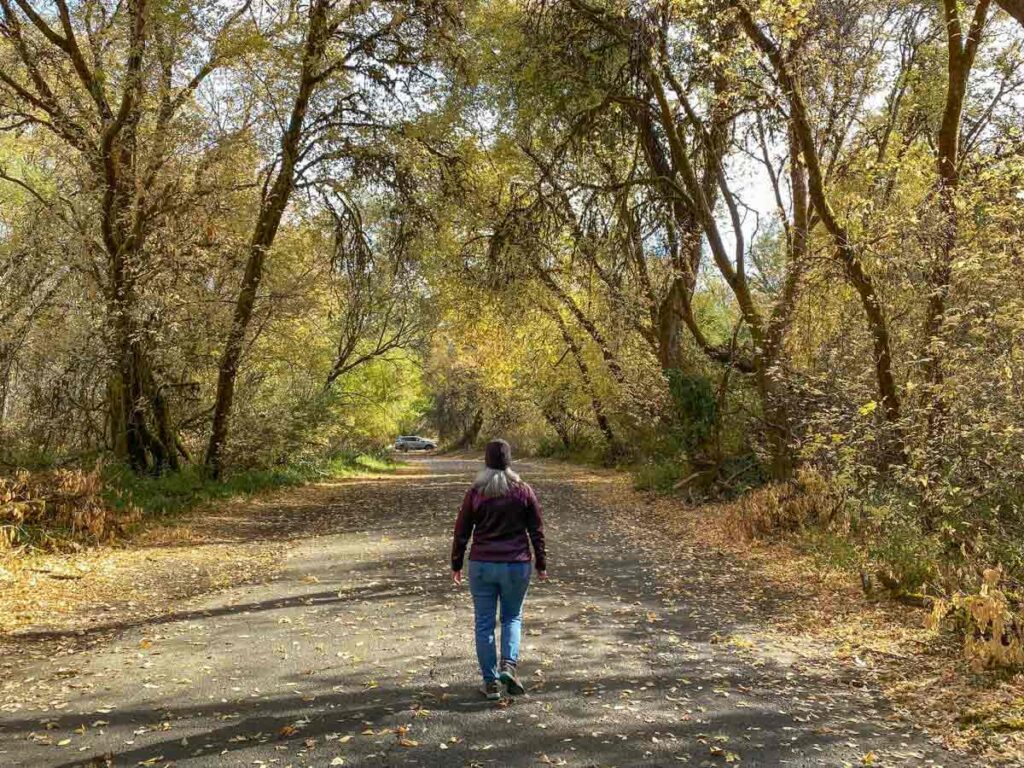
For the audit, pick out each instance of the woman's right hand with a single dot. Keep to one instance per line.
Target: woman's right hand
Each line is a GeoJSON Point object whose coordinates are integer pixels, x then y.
{"type": "Point", "coordinates": [542, 575]}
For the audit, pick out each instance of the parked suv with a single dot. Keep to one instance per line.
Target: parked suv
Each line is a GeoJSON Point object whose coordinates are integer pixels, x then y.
{"type": "Point", "coordinates": [414, 443]}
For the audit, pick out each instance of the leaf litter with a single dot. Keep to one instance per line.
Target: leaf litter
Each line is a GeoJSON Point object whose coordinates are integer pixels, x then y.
{"type": "Point", "coordinates": [629, 663]}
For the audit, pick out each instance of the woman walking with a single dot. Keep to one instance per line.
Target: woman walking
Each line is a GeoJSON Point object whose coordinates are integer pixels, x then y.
{"type": "Point", "coordinates": [501, 513]}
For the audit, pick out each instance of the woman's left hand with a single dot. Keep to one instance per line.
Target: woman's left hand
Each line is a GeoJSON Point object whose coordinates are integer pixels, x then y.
{"type": "Point", "coordinates": [457, 578]}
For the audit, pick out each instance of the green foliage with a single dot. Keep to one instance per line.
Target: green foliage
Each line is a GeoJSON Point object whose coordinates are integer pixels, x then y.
{"type": "Point", "coordinates": [693, 399]}
{"type": "Point", "coordinates": [583, 450]}
{"type": "Point", "coordinates": [659, 475]}
{"type": "Point", "coordinates": [177, 492]}
{"type": "Point", "coordinates": [910, 556]}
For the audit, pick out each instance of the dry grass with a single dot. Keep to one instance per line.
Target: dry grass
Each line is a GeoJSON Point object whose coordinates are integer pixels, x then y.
{"type": "Point", "coordinates": [780, 508]}
{"type": "Point", "coordinates": [58, 509]}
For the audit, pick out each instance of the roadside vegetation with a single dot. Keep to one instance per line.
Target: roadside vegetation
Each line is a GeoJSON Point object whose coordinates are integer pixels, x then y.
{"type": "Point", "coordinates": [64, 509]}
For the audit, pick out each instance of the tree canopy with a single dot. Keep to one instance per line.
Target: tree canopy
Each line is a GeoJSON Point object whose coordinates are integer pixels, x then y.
{"type": "Point", "coordinates": [736, 238]}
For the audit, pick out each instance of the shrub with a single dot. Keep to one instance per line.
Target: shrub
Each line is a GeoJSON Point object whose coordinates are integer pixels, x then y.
{"type": "Point", "coordinates": [585, 449]}
{"type": "Point", "coordinates": [907, 557]}
{"type": "Point", "coordinates": [660, 475]}
{"type": "Point", "coordinates": [784, 507]}
{"type": "Point", "coordinates": [58, 507]}
{"type": "Point", "coordinates": [993, 630]}
{"type": "Point", "coordinates": [693, 400]}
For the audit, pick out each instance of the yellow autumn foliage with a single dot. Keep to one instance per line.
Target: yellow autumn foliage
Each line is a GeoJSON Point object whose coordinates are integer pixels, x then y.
{"type": "Point", "coordinates": [994, 628]}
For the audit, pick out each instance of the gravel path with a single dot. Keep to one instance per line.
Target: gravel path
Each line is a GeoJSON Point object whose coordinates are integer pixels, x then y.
{"type": "Point", "coordinates": [360, 653]}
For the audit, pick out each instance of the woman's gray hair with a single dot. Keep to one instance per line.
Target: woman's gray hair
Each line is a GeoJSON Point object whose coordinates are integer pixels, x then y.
{"type": "Point", "coordinates": [494, 483]}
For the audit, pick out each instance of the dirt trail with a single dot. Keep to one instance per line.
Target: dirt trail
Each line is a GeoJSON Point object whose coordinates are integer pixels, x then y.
{"type": "Point", "coordinates": [359, 653]}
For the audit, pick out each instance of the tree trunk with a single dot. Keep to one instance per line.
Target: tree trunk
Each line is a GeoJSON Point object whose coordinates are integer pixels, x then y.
{"type": "Point", "coordinates": [671, 312]}
{"type": "Point", "coordinates": [961, 49]}
{"type": "Point", "coordinates": [6, 365]}
{"type": "Point", "coordinates": [614, 367]}
{"type": "Point", "coordinates": [127, 417]}
{"type": "Point", "coordinates": [845, 249]}
{"type": "Point", "coordinates": [469, 437]}
{"type": "Point", "coordinates": [557, 423]}
{"type": "Point", "coordinates": [134, 396]}
{"type": "Point", "coordinates": [268, 220]}
{"type": "Point", "coordinates": [776, 413]}
{"type": "Point", "coordinates": [675, 311]}
{"type": "Point", "coordinates": [600, 415]}
{"type": "Point", "coordinates": [134, 399]}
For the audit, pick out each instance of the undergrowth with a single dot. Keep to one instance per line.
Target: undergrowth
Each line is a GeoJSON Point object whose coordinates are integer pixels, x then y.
{"type": "Point", "coordinates": [57, 510]}
{"type": "Point", "coordinates": [590, 454]}
{"type": "Point", "coordinates": [180, 491]}
{"type": "Point", "coordinates": [660, 475]}
{"type": "Point", "coordinates": [968, 576]}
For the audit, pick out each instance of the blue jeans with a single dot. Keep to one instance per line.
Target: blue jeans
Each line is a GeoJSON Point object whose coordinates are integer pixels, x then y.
{"type": "Point", "coordinates": [491, 584]}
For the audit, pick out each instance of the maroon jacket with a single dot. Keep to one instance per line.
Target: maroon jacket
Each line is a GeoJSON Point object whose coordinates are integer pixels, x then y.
{"type": "Point", "coordinates": [502, 528]}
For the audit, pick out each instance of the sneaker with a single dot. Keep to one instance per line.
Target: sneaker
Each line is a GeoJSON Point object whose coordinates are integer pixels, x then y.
{"type": "Point", "coordinates": [511, 681]}
{"type": "Point", "coordinates": [491, 690]}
